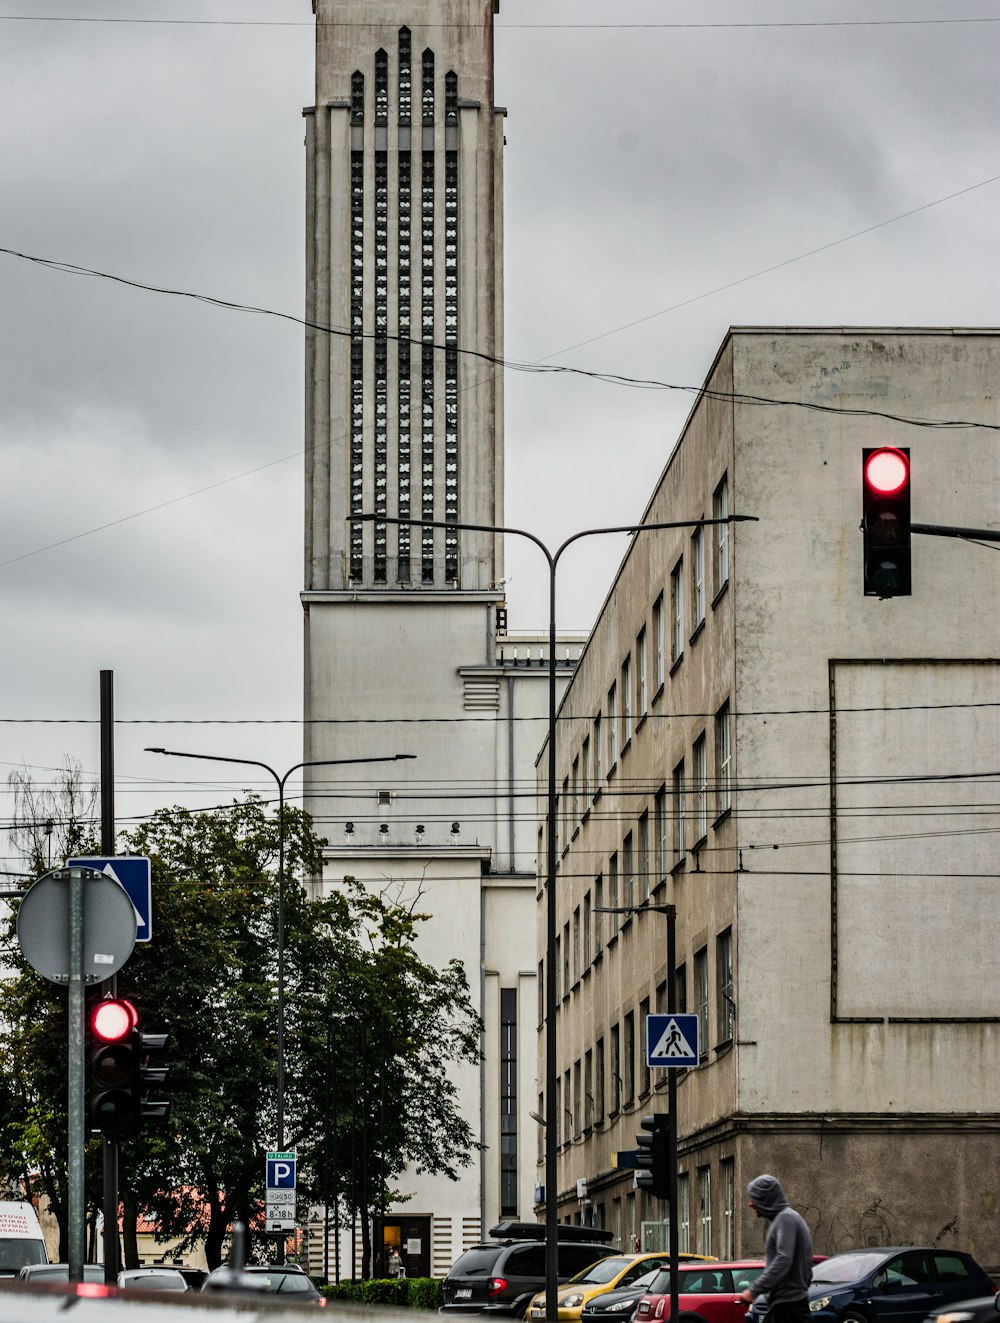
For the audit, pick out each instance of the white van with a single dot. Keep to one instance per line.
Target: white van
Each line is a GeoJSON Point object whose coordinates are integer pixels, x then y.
{"type": "Point", "coordinates": [21, 1239]}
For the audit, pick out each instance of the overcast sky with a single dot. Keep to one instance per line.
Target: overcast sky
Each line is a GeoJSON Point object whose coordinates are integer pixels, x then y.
{"type": "Point", "coordinates": [662, 177]}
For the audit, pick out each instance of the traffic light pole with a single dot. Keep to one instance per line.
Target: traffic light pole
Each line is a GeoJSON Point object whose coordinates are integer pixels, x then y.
{"type": "Point", "coordinates": [673, 1244]}
{"type": "Point", "coordinates": [109, 1144]}
{"type": "Point", "coordinates": [76, 1125]}
{"type": "Point", "coordinates": [948, 530]}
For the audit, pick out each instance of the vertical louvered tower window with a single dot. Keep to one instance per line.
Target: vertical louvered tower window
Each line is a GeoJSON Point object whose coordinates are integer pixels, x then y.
{"type": "Point", "coordinates": [357, 443]}
{"type": "Point", "coordinates": [381, 383]}
{"type": "Point", "coordinates": [451, 324]}
{"type": "Point", "coordinates": [427, 315]}
{"type": "Point", "coordinates": [404, 272]}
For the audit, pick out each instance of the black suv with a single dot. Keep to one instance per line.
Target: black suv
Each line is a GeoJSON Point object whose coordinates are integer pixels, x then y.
{"type": "Point", "coordinates": [501, 1276]}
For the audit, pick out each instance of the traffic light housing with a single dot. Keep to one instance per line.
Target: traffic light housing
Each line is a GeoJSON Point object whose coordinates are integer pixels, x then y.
{"type": "Point", "coordinates": [124, 1068]}
{"type": "Point", "coordinates": [651, 1156]}
{"type": "Point", "coordinates": [885, 520]}
{"type": "Point", "coordinates": [113, 1067]}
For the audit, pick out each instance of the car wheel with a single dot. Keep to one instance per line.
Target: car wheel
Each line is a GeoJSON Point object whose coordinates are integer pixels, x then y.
{"type": "Point", "coordinates": [853, 1316]}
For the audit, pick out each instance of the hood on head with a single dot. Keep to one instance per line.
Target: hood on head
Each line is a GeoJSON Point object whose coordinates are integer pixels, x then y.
{"type": "Point", "coordinates": [766, 1194]}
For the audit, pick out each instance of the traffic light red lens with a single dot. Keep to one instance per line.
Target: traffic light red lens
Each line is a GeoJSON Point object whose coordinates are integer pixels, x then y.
{"type": "Point", "coordinates": [886, 471]}
{"type": "Point", "coordinates": [112, 1020]}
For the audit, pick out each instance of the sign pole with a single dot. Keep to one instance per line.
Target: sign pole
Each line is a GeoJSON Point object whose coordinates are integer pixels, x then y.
{"type": "Point", "coordinates": [76, 1103]}
{"type": "Point", "coordinates": [671, 914]}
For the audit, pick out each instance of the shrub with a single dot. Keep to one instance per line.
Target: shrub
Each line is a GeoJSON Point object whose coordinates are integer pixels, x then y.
{"type": "Point", "coordinates": [417, 1292]}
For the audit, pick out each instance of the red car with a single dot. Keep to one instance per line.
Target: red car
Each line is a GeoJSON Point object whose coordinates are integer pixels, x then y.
{"type": "Point", "coordinates": [708, 1292]}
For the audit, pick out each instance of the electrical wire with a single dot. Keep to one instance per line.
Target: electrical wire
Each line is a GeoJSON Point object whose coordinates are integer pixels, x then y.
{"type": "Point", "coordinates": [500, 27]}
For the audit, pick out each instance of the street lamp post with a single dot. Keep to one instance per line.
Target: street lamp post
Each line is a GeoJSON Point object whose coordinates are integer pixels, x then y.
{"type": "Point", "coordinates": [552, 1128]}
{"type": "Point", "coordinates": [280, 781]}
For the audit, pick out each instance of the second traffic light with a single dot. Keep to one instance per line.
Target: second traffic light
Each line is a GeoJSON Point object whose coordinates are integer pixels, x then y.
{"type": "Point", "coordinates": [113, 1067]}
{"type": "Point", "coordinates": [885, 521]}
{"type": "Point", "coordinates": [651, 1156]}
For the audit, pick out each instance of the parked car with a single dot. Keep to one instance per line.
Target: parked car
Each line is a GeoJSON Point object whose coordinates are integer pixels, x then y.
{"type": "Point", "coordinates": [195, 1277]}
{"type": "Point", "coordinates": [894, 1285]}
{"type": "Point", "coordinates": [500, 1276]}
{"type": "Point", "coordinates": [152, 1279]}
{"type": "Point", "coordinates": [618, 1306]}
{"type": "Point", "coordinates": [288, 1281]}
{"type": "Point", "coordinates": [984, 1309]}
{"type": "Point", "coordinates": [706, 1293]}
{"type": "Point", "coordinates": [619, 1270]}
{"type": "Point", "coordinates": [58, 1272]}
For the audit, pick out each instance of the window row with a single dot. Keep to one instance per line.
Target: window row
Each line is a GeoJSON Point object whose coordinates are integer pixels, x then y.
{"type": "Point", "coordinates": [609, 1077]}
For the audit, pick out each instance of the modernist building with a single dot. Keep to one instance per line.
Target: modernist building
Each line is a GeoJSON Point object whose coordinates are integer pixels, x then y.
{"type": "Point", "coordinates": [810, 776]}
{"type": "Point", "coordinates": [405, 641]}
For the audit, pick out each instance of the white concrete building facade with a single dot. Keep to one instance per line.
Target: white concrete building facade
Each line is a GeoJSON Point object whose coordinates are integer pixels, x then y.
{"type": "Point", "coordinates": [809, 775]}
{"type": "Point", "coordinates": [406, 648]}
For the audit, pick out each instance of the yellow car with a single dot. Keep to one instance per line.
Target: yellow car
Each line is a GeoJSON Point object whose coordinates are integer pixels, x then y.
{"type": "Point", "coordinates": [610, 1274]}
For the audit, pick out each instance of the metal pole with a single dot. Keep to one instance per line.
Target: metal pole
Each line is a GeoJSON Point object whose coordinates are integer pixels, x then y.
{"type": "Point", "coordinates": [76, 1102]}
{"type": "Point", "coordinates": [672, 1115]}
{"type": "Point", "coordinates": [109, 1145]}
{"type": "Point", "coordinates": [551, 1117]}
{"type": "Point", "coordinates": [280, 1253]}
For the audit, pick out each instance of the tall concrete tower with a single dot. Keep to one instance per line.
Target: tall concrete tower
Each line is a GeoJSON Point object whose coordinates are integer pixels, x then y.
{"type": "Point", "coordinates": [406, 645]}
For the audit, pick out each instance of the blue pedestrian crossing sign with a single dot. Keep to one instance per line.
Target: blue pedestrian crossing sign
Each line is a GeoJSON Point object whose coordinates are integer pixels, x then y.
{"type": "Point", "coordinates": [671, 1040]}
{"type": "Point", "coordinates": [134, 876]}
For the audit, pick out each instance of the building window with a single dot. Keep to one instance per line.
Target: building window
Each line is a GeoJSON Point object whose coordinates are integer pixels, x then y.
{"type": "Point", "coordinates": [616, 1069]}
{"type": "Point", "coordinates": [613, 892]}
{"type": "Point", "coordinates": [557, 1120]}
{"type": "Point", "coordinates": [588, 1090]}
{"type": "Point", "coordinates": [629, 1062]}
{"type": "Point", "coordinates": [641, 675]}
{"type": "Point", "coordinates": [659, 639]}
{"type": "Point", "coordinates": [698, 576]}
{"type": "Point", "coordinates": [724, 980]}
{"type": "Point", "coordinates": [727, 1176]}
{"type": "Point", "coordinates": [705, 1210]}
{"type": "Point", "coordinates": [681, 989]}
{"type": "Point", "coordinates": [626, 701]}
{"type": "Point", "coordinates": [662, 827]}
{"type": "Point", "coordinates": [568, 1107]}
{"type": "Point", "coordinates": [723, 758]}
{"type": "Point", "coordinates": [565, 961]}
{"type": "Point", "coordinates": [683, 1214]}
{"type": "Point", "coordinates": [612, 726]}
{"type": "Point", "coordinates": [558, 966]}
{"type": "Point", "coordinates": [541, 993]}
{"type": "Point", "coordinates": [628, 875]}
{"type": "Point", "coordinates": [677, 612]}
{"type": "Point", "coordinates": [577, 1097]}
{"type": "Point", "coordinates": [645, 861]}
{"type": "Point", "coordinates": [599, 1085]}
{"type": "Point", "coordinates": [587, 948]}
{"type": "Point", "coordinates": [701, 788]}
{"type": "Point", "coordinates": [661, 997]}
{"type": "Point", "coordinates": [644, 1071]}
{"type": "Point", "coordinates": [720, 510]}
{"type": "Point", "coordinates": [598, 915]}
{"type": "Point", "coordinates": [575, 788]}
{"type": "Point", "coordinates": [577, 966]}
{"type": "Point", "coordinates": [598, 754]}
{"type": "Point", "coordinates": [508, 1102]}
{"type": "Point", "coordinates": [680, 795]}
{"type": "Point", "coordinates": [701, 998]}
{"type": "Point", "coordinates": [587, 771]}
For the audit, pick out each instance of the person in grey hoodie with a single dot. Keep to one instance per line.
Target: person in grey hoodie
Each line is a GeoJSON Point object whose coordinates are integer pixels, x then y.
{"type": "Point", "coordinates": [788, 1254]}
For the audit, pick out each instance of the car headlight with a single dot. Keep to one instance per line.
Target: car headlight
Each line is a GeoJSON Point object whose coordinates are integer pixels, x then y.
{"type": "Point", "coordinates": [956, 1316]}
{"type": "Point", "coordinates": [571, 1301]}
{"type": "Point", "coordinates": [820, 1302]}
{"type": "Point", "coordinates": [620, 1307]}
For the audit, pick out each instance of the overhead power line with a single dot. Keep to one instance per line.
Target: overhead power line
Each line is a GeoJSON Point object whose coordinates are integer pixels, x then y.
{"type": "Point", "coordinates": [498, 27]}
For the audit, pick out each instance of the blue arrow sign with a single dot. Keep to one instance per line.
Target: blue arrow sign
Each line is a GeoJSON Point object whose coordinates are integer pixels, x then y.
{"type": "Point", "coordinates": [134, 876]}
{"type": "Point", "coordinates": [672, 1040]}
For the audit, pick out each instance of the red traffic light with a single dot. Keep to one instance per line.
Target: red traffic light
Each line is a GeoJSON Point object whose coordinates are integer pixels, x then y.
{"type": "Point", "coordinates": [887, 470]}
{"type": "Point", "coordinates": [112, 1020]}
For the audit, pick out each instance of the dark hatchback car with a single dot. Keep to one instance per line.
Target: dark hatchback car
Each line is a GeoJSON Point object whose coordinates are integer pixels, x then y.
{"type": "Point", "coordinates": [500, 1276]}
{"type": "Point", "coordinates": [900, 1285]}
{"type": "Point", "coordinates": [288, 1282]}
{"type": "Point", "coordinates": [619, 1306]}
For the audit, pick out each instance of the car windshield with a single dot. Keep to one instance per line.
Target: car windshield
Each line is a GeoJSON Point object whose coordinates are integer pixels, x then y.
{"type": "Point", "coordinates": [15, 1253]}
{"type": "Point", "coordinates": [604, 1270]}
{"type": "Point", "coordinates": [846, 1267]}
